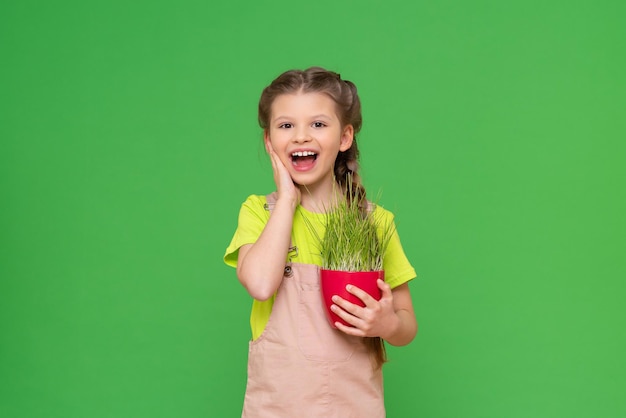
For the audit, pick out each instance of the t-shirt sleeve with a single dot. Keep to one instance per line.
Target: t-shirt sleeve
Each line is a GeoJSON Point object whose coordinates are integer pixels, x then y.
{"type": "Point", "coordinates": [398, 269]}
{"type": "Point", "coordinates": [252, 219]}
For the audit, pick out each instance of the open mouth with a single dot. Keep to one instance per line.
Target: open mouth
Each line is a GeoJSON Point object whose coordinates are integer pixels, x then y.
{"type": "Point", "coordinates": [303, 158]}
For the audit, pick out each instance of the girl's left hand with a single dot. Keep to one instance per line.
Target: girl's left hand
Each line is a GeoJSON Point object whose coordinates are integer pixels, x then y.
{"type": "Point", "coordinates": [376, 319]}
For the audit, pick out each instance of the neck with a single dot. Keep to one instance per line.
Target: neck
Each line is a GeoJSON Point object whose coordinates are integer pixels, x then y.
{"type": "Point", "coordinates": [320, 199]}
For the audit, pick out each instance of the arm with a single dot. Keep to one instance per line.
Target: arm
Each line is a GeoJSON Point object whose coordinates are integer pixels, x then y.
{"type": "Point", "coordinates": [260, 266]}
{"type": "Point", "coordinates": [391, 318]}
{"type": "Point", "coordinates": [403, 307]}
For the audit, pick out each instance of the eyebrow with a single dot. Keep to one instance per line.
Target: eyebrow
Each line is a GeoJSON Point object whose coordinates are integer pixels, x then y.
{"type": "Point", "coordinates": [320, 116]}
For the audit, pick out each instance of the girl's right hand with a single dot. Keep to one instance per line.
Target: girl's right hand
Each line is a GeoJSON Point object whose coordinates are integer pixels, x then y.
{"type": "Point", "coordinates": [285, 186]}
{"type": "Point", "coordinates": [261, 265]}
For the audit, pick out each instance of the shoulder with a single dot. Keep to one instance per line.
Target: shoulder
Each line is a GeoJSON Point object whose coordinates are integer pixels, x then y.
{"type": "Point", "coordinates": [255, 206]}
{"type": "Point", "coordinates": [380, 212]}
{"type": "Point", "coordinates": [255, 200]}
{"type": "Point", "coordinates": [257, 203]}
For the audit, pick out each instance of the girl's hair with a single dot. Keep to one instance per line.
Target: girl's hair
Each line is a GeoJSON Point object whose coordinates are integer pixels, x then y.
{"type": "Point", "coordinates": [348, 106]}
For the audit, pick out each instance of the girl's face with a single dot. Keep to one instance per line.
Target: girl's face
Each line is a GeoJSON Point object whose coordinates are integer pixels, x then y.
{"type": "Point", "coordinates": [307, 135]}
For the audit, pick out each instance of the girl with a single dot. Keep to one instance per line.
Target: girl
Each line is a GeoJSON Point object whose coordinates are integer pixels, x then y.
{"type": "Point", "coordinates": [298, 366]}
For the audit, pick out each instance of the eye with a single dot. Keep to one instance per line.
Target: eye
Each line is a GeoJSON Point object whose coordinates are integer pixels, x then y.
{"type": "Point", "coordinates": [286, 125]}
{"type": "Point", "coordinates": [318, 124]}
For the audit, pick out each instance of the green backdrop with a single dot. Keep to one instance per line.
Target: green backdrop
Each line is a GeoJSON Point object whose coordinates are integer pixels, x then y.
{"type": "Point", "coordinates": [494, 130]}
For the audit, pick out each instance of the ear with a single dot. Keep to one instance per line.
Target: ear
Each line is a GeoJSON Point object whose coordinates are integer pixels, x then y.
{"type": "Point", "coordinates": [267, 141]}
{"type": "Point", "coordinates": [347, 136]}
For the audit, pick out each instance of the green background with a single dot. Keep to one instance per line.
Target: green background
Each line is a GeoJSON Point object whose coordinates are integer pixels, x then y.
{"type": "Point", "coordinates": [494, 130]}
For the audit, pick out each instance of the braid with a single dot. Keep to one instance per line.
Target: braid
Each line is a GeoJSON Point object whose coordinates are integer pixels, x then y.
{"type": "Point", "coordinates": [346, 164]}
{"type": "Point", "coordinates": [347, 176]}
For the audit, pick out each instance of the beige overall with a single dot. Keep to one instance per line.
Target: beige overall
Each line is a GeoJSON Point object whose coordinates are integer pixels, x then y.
{"type": "Point", "coordinates": [300, 367]}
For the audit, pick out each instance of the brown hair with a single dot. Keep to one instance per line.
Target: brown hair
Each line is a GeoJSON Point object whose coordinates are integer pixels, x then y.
{"type": "Point", "coordinates": [348, 105]}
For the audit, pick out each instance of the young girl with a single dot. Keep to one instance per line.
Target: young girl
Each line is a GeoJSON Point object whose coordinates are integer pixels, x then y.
{"type": "Point", "coordinates": [299, 366]}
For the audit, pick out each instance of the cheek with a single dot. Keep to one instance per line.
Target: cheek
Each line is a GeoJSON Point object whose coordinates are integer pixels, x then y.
{"type": "Point", "coordinates": [277, 137]}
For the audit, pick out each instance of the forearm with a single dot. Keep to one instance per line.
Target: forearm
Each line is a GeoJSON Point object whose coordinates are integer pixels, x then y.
{"type": "Point", "coordinates": [404, 330]}
{"type": "Point", "coordinates": [260, 266]}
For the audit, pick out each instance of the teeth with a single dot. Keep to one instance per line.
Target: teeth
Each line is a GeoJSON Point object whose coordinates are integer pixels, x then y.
{"type": "Point", "coordinates": [302, 154]}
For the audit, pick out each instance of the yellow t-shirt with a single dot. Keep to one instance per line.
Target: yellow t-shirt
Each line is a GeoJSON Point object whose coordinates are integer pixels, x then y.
{"type": "Point", "coordinates": [252, 219]}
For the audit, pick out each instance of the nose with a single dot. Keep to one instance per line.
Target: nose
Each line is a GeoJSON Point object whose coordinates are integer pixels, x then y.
{"type": "Point", "coordinates": [301, 135]}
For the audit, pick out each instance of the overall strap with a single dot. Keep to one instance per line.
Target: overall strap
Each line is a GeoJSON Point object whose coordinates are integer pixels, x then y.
{"type": "Point", "coordinates": [271, 201]}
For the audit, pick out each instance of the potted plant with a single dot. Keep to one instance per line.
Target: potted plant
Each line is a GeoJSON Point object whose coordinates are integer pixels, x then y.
{"type": "Point", "coordinates": [352, 251]}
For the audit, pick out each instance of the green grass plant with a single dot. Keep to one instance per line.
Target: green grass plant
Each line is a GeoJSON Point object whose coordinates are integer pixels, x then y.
{"type": "Point", "coordinates": [355, 238]}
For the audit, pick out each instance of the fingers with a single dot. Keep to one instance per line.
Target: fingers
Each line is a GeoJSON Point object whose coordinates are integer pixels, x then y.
{"type": "Point", "coordinates": [360, 317]}
{"type": "Point", "coordinates": [285, 186]}
{"type": "Point", "coordinates": [344, 306]}
{"type": "Point", "coordinates": [349, 313]}
{"type": "Point", "coordinates": [368, 299]}
{"type": "Point", "coordinates": [273, 157]}
{"type": "Point", "coordinates": [370, 320]}
{"type": "Point", "coordinates": [385, 288]}
{"type": "Point", "coordinates": [277, 165]}
{"type": "Point", "coordinates": [350, 330]}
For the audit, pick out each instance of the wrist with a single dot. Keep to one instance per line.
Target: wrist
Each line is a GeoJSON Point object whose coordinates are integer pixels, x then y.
{"type": "Point", "coordinates": [286, 203]}
{"type": "Point", "coordinates": [392, 328]}
{"type": "Point", "coordinates": [404, 329]}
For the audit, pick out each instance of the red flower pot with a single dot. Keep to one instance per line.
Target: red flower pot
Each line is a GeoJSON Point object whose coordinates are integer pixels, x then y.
{"type": "Point", "coordinates": [334, 282]}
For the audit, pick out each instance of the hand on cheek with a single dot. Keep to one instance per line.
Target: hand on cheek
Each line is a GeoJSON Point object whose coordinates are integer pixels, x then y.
{"type": "Point", "coordinates": [284, 183]}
